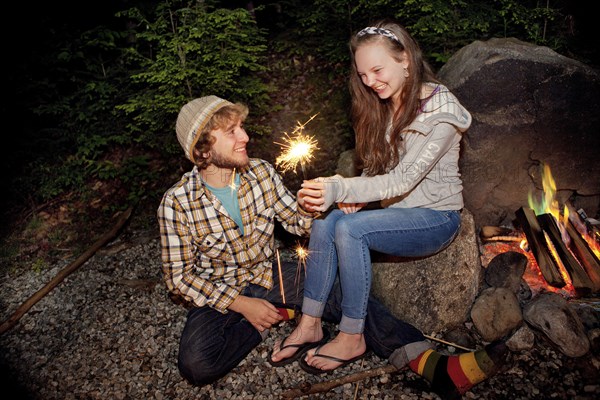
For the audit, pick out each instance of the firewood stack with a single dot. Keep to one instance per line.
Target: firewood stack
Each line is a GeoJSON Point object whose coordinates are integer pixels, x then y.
{"type": "Point", "coordinates": [575, 256]}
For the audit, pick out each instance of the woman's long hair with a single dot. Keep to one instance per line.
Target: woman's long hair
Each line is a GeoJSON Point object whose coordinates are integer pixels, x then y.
{"type": "Point", "coordinates": [371, 116]}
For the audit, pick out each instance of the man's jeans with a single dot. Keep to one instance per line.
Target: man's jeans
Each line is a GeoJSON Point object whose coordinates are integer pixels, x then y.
{"type": "Point", "coordinates": [212, 344]}
{"type": "Point", "coordinates": [345, 241]}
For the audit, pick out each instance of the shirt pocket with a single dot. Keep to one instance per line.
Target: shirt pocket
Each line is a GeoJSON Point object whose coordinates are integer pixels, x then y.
{"type": "Point", "coordinates": [214, 246]}
{"type": "Point", "coordinates": [262, 229]}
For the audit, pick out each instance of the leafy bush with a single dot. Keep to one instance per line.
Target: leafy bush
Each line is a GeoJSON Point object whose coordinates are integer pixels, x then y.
{"type": "Point", "coordinates": [111, 88]}
{"type": "Point", "coordinates": [120, 85]}
{"type": "Point", "coordinates": [186, 51]}
{"type": "Point", "coordinates": [440, 26]}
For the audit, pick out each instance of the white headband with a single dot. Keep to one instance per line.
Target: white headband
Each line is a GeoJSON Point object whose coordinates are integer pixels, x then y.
{"type": "Point", "coordinates": [371, 30]}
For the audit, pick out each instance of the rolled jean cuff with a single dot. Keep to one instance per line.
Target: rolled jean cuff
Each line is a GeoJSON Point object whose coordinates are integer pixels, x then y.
{"type": "Point", "coordinates": [312, 307]}
{"type": "Point", "coordinates": [405, 354]}
{"type": "Point", "coordinates": [352, 325]}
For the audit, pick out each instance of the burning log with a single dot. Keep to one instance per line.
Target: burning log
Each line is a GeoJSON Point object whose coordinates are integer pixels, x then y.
{"type": "Point", "coordinates": [537, 244]}
{"type": "Point", "coordinates": [498, 234]}
{"type": "Point", "coordinates": [579, 278]}
{"type": "Point", "coordinates": [587, 258]}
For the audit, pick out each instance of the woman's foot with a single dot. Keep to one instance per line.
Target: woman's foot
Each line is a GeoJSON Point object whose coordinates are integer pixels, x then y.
{"type": "Point", "coordinates": [307, 335]}
{"type": "Point", "coordinates": [345, 348]}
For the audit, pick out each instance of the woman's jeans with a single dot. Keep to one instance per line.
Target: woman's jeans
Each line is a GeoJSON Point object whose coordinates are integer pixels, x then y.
{"type": "Point", "coordinates": [344, 241]}
{"type": "Point", "coordinates": [212, 344]}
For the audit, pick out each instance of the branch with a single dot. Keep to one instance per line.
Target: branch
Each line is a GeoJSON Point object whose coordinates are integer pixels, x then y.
{"type": "Point", "coordinates": [62, 274]}
{"type": "Point", "coordinates": [306, 388]}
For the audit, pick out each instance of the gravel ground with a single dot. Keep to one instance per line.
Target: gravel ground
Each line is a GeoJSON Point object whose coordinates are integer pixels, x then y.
{"type": "Point", "coordinates": [110, 331]}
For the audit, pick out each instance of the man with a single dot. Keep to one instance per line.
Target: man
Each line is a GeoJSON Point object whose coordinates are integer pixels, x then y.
{"type": "Point", "coordinates": [217, 236]}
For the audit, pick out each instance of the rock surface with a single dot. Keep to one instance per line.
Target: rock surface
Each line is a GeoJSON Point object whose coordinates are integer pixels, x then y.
{"type": "Point", "coordinates": [433, 293]}
{"type": "Point", "coordinates": [530, 105]}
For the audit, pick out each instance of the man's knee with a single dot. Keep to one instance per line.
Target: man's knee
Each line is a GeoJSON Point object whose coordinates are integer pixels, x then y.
{"type": "Point", "coordinates": [199, 370]}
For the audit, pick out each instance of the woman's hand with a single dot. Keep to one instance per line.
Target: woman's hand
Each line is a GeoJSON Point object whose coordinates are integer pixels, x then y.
{"type": "Point", "coordinates": [349, 208]}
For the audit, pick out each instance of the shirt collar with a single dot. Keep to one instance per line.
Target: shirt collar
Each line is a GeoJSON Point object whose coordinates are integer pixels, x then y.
{"type": "Point", "coordinates": [198, 188]}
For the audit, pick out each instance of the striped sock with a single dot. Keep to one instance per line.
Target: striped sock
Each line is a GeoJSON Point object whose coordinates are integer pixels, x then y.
{"type": "Point", "coordinates": [452, 376]}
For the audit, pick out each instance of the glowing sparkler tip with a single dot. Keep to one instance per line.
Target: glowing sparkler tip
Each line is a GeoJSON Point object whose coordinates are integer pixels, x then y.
{"type": "Point", "coordinates": [297, 148]}
{"type": "Point", "coordinates": [301, 252]}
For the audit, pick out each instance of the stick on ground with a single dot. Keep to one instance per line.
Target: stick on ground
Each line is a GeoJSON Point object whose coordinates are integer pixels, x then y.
{"type": "Point", "coordinates": [63, 273]}
{"type": "Point", "coordinates": [305, 388]}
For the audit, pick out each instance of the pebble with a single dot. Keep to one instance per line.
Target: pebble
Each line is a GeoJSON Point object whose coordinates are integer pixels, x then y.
{"type": "Point", "coordinates": [94, 337]}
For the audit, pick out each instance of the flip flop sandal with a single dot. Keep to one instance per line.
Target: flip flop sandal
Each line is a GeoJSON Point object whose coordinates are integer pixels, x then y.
{"type": "Point", "coordinates": [302, 348]}
{"type": "Point", "coordinates": [317, 371]}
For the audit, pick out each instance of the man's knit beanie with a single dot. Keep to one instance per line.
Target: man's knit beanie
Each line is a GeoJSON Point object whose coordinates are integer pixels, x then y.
{"type": "Point", "coordinates": [192, 119]}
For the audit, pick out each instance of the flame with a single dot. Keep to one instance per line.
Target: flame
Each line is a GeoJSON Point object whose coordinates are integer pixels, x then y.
{"type": "Point", "coordinates": [297, 148]}
{"type": "Point", "coordinates": [548, 204]}
{"type": "Point", "coordinates": [561, 267]}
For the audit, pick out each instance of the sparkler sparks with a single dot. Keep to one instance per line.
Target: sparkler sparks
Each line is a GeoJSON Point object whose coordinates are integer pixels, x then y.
{"type": "Point", "coordinates": [302, 254]}
{"type": "Point", "coordinates": [232, 185]}
{"type": "Point", "coordinates": [298, 148]}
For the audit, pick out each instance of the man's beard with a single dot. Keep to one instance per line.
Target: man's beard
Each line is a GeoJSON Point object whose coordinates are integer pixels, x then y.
{"type": "Point", "coordinates": [220, 161]}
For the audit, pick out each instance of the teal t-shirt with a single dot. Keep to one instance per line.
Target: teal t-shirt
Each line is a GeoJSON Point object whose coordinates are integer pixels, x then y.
{"type": "Point", "coordinates": [228, 197]}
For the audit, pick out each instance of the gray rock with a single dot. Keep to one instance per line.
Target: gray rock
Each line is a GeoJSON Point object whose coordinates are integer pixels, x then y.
{"type": "Point", "coordinates": [506, 270]}
{"type": "Point", "coordinates": [496, 313]}
{"type": "Point", "coordinates": [529, 105]}
{"type": "Point", "coordinates": [550, 313]}
{"type": "Point", "coordinates": [433, 293]}
{"type": "Point", "coordinates": [523, 339]}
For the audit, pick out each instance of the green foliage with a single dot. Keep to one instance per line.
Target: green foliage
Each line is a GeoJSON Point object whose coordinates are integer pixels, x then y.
{"type": "Point", "coordinates": [110, 88]}
{"type": "Point", "coordinates": [186, 50]}
{"type": "Point", "coordinates": [39, 265]}
{"type": "Point", "coordinates": [440, 26]}
{"type": "Point", "coordinates": [97, 93]}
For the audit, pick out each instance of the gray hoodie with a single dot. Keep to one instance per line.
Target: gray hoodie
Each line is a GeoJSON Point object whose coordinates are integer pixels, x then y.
{"type": "Point", "coordinates": [427, 174]}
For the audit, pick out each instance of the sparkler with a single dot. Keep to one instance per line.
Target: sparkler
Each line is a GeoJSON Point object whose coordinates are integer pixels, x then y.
{"type": "Point", "coordinates": [302, 255]}
{"type": "Point", "coordinates": [281, 289]}
{"type": "Point", "coordinates": [298, 148]}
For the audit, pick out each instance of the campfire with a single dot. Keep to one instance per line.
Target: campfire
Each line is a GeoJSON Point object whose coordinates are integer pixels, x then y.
{"type": "Point", "coordinates": [563, 246]}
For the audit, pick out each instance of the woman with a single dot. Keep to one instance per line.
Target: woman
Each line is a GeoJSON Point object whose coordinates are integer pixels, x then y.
{"type": "Point", "coordinates": [408, 130]}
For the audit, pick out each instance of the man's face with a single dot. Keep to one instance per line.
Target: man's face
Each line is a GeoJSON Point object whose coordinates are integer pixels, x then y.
{"type": "Point", "coordinates": [229, 148]}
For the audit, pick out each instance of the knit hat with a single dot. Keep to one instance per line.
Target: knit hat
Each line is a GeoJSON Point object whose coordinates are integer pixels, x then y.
{"type": "Point", "coordinates": [192, 119]}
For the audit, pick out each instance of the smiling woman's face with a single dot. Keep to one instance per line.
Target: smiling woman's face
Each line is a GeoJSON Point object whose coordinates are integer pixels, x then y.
{"type": "Point", "coordinates": [380, 71]}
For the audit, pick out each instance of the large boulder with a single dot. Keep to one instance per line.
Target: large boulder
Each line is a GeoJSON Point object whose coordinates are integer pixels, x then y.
{"type": "Point", "coordinates": [530, 105]}
{"type": "Point", "coordinates": [433, 293]}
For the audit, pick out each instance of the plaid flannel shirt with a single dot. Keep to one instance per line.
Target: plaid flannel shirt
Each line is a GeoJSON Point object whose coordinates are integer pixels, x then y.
{"type": "Point", "coordinates": [205, 258]}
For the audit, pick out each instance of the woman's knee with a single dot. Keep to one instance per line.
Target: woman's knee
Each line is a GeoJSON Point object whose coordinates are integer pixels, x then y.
{"type": "Point", "coordinates": [345, 229]}
{"type": "Point", "coordinates": [326, 227]}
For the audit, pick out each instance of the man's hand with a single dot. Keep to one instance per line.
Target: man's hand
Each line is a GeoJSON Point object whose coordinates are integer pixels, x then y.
{"type": "Point", "coordinates": [310, 198]}
{"type": "Point", "coordinates": [320, 193]}
{"type": "Point", "coordinates": [259, 312]}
